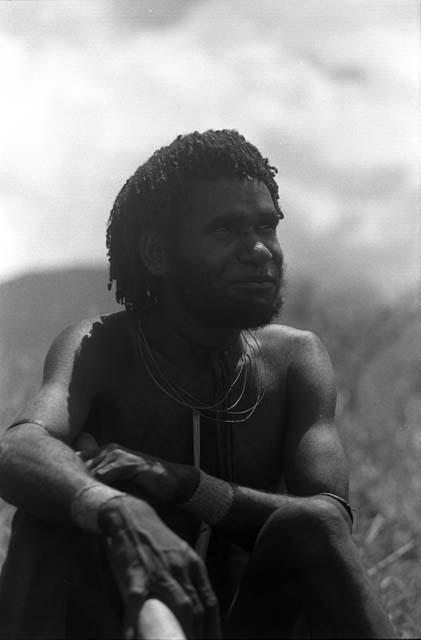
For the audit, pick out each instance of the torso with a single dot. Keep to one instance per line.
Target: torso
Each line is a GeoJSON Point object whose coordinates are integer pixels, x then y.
{"type": "Point", "coordinates": [132, 411]}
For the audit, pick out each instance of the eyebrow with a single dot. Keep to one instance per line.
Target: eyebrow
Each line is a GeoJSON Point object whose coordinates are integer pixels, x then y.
{"type": "Point", "coordinates": [237, 217]}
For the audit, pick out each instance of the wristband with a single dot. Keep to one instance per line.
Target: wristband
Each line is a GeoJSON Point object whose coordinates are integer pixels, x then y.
{"type": "Point", "coordinates": [87, 502]}
{"type": "Point", "coordinates": [212, 499]}
{"type": "Point", "coordinates": [37, 423]}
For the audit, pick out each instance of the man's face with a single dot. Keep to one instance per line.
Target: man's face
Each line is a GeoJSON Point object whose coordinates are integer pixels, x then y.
{"type": "Point", "coordinates": [226, 266]}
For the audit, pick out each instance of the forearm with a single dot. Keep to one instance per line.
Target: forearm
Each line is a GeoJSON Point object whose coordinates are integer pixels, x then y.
{"type": "Point", "coordinates": [41, 474]}
{"type": "Point", "coordinates": [240, 513]}
{"type": "Point", "coordinates": [248, 513]}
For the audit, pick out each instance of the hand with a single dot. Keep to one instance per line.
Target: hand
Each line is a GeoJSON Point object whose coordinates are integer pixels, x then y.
{"type": "Point", "coordinates": [149, 561]}
{"type": "Point", "coordinates": [155, 480]}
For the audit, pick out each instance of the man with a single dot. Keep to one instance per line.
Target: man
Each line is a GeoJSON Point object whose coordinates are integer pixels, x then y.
{"type": "Point", "coordinates": [197, 423]}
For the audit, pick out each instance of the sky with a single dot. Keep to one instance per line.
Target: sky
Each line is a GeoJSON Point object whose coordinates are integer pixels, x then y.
{"type": "Point", "coordinates": [327, 89]}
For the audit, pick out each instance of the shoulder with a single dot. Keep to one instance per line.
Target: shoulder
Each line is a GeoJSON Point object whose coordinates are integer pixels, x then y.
{"type": "Point", "coordinates": [301, 355]}
{"type": "Point", "coordinates": [85, 343]}
{"type": "Point", "coordinates": [290, 344]}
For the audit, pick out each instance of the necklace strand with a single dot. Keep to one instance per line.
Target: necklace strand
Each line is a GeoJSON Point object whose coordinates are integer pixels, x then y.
{"type": "Point", "coordinates": [186, 399]}
{"type": "Point", "coordinates": [177, 390]}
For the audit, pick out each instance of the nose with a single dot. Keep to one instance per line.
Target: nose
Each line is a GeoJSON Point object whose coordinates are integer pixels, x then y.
{"type": "Point", "coordinates": [255, 252]}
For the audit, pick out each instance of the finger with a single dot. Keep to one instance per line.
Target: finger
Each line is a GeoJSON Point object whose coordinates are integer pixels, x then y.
{"type": "Point", "coordinates": [104, 456]}
{"type": "Point", "coordinates": [133, 584]}
{"type": "Point", "coordinates": [105, 466]}
{"type": "Point", "coordinates": [87, 454]}
{"type": "Point", "coordinates": [133, 606]}
{"type": "Point", "coordinates": [211, 617]}
{"type": "Point", "coordinates": [124, 552]}
{"type": "Point", "coordinates": [134, 597]}
{"type": "Point", "coordinates": [175, 598]}
{"type": "Point", "coordinates": [101, 455]}
{"type": "Point", "coordinates": [181, 574]}
{"type": "Point", "coordinates": [110, 462]}
{"type": "Point", "coordinates": [108, 473]}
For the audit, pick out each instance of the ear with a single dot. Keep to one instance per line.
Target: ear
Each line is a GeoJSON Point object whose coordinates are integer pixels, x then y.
{"type": "Point", "coordinates": [153, 253]}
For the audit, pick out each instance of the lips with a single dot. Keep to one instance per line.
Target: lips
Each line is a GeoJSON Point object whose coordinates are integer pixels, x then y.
{"type": "Point", "coordinates": [253, 284]}
{"type": "Point", "coordinates": [264, 285]}
{"type": "Point", "coordinates": [256, 280]}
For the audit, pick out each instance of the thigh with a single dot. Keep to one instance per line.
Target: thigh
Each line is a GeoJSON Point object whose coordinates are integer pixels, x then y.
{"type": "Point", "coordinates": [270, 599]}
{"type": "Point", "coordinates": [267, 608]}
{"type": "Point", "coordinates": [56, 583]}
{"type": "Point", "coordinates": [273, 595]}
{"type": "Point", "coordinates": [226, 564]}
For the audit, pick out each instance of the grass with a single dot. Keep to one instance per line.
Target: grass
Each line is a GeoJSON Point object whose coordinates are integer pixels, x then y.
{"type": "Point", "coordinates": [381, 429]}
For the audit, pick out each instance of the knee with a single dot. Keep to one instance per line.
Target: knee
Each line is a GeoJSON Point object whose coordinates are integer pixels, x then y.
{"type": "Point", "coordinates": [307, 529]}
{"type": "Point", "coordinates": [327, 528]}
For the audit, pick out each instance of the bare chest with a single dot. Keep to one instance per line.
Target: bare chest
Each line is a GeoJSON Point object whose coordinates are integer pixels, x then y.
{"type": "Point", "coordinates": [134, 412]}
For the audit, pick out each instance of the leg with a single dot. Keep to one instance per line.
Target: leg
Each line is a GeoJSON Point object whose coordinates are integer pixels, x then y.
{"type": "Point", "coordinates": [305, 556]}
{"type": "Point", "coordinates": [269, 602]}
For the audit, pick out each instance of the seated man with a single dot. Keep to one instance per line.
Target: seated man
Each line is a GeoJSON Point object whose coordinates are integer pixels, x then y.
{"type": "Point", "coordinates": [199, 424]}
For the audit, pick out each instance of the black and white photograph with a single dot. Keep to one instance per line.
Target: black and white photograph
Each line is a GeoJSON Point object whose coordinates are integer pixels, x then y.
{"type": "Point", "coordinates": [210, 319]}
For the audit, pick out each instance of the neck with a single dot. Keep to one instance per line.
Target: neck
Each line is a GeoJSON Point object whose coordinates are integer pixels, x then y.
{"type": "Point", "coordinates": [204, 380]}
{"type": "Point", "coordinates": [173, 330]}
{"type": "Point", "coordinates": [194, 331]}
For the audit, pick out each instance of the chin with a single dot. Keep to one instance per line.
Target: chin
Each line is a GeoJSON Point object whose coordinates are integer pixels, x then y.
{"type": "Point", "coordinates": [255, 318]}
{"type": "Point", "coordinates": [244, 315]}
{"type": "Point", "coordinates": [218, 309]}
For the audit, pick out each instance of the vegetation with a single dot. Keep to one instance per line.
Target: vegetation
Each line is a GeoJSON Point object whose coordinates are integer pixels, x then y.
{"type": "Point", "coordinates": [377, 356]}
{"type": "Point", "coordinates": [376, 352]}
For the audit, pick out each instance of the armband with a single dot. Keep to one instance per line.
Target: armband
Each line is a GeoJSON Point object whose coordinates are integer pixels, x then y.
{"type": "Point", "coordinates": [212, 499]}
{"type": "Point", "coordinates": [341, 501]}
{"type": "Point", "coordinates": [87, 502]}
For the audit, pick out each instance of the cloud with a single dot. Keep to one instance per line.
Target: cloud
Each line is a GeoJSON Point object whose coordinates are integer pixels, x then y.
{"type": "Point", "coordinates": [329, 95]}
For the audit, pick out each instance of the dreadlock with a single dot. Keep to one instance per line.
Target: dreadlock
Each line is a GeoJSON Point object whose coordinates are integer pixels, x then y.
{"type": "Point", "coordinates": [153, 197]}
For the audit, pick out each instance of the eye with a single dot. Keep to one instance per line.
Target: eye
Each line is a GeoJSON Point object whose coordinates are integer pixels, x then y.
{"type": "Point", "coordinates": [268, 227]}
{"type": "Point", "coordinates": [224, 228]}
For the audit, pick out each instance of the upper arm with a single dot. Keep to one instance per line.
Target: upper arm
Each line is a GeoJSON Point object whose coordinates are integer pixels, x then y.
{"type": "Point", "coordinates": [70, 382]}
{"type": "Point", "coordinates": [314, 458]}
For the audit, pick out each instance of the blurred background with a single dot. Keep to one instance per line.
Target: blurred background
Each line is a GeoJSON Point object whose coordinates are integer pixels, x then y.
{"type": "Point", "coordinates": [329, 91]}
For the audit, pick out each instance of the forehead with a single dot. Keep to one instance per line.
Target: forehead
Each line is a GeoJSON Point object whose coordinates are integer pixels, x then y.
{"type": "Point", "coordinates": [209, 198]}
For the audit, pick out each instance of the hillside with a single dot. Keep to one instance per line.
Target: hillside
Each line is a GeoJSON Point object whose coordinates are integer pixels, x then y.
{"type": "Point", "coordinates": [36, 306]}
{"type": "Point", "coordinates": [33, 310]}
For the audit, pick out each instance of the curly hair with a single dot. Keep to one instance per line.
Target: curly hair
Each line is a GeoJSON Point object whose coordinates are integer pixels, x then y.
{"type": "Point", "coordinates": [153, 196]}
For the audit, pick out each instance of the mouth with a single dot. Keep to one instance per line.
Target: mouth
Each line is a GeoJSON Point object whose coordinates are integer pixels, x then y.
{"type": "Point", "coordinates": [256, 283]}
{"type": "Point", "coordinates": [257, 277]}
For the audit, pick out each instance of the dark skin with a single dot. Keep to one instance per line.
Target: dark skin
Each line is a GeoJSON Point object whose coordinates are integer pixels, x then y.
{"type": "Point", "coordinates": [229, 255]}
